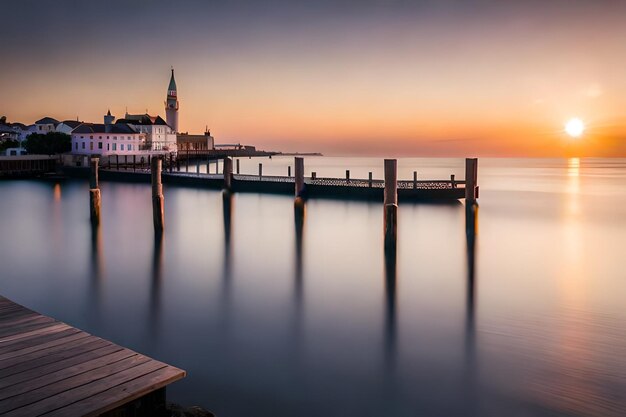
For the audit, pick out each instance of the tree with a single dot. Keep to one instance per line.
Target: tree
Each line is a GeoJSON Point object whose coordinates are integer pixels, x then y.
{"type": "Point", "coordinates": [9, 143]}
{"type": "Point", "coordinates": [3, 120]}
{"type": "Point", "coordinates": [48, 144]}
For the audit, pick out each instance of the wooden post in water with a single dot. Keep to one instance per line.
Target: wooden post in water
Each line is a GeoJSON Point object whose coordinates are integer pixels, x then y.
{"type": "Point", "coordinates": [414, 180]}
{"type": "Point", "coordinates": [117, 162]}
{"type": "Point", "coordinates": [228, 174]}
{"type": "Point", "coordinates": [391, 204]}
{"type": "Point", "coordinates": [198, 166]}
{"type": "Point", "coordinates": [452, 181]}
{"type": "Point", "coordinates": [237, 166]}
{"type": "Point", "coordinates": [471, 180]}
{"type": "Point", "coordinates": [94, 193]}
{"type": "Point", "coordinates": [260, 170]}
{"type": "Point", "coordinates": [347, 175]}
{"type": "Point", "coordinates": [299, 176]}
{"type": "Point", "coordinates": [171, 162]}
{"type": "Point", "coordinates": [158, 214]}
{"type": "Point", "coordinates": [289, 171]}
{"type": "Point", "coordinates": [370, 179]}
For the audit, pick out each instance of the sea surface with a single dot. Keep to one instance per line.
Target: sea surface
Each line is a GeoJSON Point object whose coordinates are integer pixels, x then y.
{"type": "Point", "coordinates": [276, 316]}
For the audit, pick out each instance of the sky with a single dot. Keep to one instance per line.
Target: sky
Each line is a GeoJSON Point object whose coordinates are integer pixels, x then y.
{"type": "Point", "coordinates": [342, 77]}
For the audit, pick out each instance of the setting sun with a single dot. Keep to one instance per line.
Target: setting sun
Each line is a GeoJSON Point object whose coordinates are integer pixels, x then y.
{"type": "Point", "coordinates": [574, 127]}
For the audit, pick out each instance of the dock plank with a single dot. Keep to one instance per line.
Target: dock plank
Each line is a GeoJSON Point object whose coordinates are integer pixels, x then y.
{"type": "Point", "coordinates": [48, 367]}
{"type": "Point", "coordinates": [118, 395]}
{"type": "Point", "coordinates": [80, 387]}
{"type": "Point", "coordinates": [39, 369]}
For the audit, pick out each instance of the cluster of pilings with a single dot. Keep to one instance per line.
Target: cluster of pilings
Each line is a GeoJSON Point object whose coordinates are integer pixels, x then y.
{"type": "Point", "coordinates": [390, 203]}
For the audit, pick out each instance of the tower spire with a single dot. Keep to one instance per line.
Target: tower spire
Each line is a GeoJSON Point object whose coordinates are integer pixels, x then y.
{"type": "Point", "coordinates": [171, 104]}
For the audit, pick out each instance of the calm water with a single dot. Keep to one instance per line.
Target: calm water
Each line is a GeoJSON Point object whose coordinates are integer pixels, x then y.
{"type": "Point", "coordinates": [275, 318]}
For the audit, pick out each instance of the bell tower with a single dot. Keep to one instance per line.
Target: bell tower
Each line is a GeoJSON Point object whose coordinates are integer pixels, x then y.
{"type": "Point", "coordinates": [171, 105]}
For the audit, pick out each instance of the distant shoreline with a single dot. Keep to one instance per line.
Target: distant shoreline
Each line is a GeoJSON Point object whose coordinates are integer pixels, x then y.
{"type": "Point", "coordinates": [300, 154]}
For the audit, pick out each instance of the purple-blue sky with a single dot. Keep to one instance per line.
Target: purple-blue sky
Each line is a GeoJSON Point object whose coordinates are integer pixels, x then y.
{"type": "Point", "coordinates": [372, 76]}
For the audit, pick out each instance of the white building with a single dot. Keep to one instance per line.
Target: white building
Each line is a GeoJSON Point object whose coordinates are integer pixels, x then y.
{"type": "Point", "coordinates": [67, 126]}
{"type": "Point", "coordinates": [159, 134]}
{"type": "Point", "coordinates": [107, 139]}
{"type": "Point", "coordinates": [45, 125]}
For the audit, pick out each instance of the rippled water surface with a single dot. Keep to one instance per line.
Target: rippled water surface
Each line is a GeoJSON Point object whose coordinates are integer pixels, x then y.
{"type": "Point", "coordinates": [279, 317]}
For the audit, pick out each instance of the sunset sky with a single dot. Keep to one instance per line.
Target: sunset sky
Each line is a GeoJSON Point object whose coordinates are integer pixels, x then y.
{"type": "Point", "coordinates": [379, 77]}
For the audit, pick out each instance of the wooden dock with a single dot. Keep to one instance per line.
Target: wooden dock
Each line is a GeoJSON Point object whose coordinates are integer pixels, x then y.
{"type": "Point", "coordinates": [50, 368]}
{"type": "Point", "coordinates": [26, 165]}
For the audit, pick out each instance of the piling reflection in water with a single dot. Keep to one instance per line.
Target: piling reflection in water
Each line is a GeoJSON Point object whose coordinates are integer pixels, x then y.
{"type": "Point", "coordinates": [227, 205]}
{"type": "Point", "coordinates": [225, 299]}
{"type": "Point", "coordinates": [156, 285]}
{"type": "Point", "coordinates": [95, 272]}
{"type": "Point", "coordinates": [471, 230]}
{"type": "Point", "coordinates": [390, 307]}
{"type": "Point", "coordinates": [299, 217]}
{"type": "Point", "coordinates": [298, 292]}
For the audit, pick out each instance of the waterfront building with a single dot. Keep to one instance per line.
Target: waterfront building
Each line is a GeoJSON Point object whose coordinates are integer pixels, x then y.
{"type": "Point", "coordinates": [67, 126]}
{"type": "Point", "coordinates": [108, 138]}
{"type": "Point", "coordinates": [159, 135]}
{"type": "Point", "coordinates": [45, 125]}
{"type": "Point", "coordinates": [171, 104]}
{"type": "Point", "coordinates": [203, 142]}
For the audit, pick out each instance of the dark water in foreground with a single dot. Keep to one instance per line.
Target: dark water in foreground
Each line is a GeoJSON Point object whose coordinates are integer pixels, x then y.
{"type": "Point", "coordinates": [273, 319]}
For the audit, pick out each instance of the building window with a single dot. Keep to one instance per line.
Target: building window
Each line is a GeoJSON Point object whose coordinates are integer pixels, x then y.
{"type": "Point", "coordinates": [76, 147]}
{"type": "Point", "coordinates": [107, 137]}
{"type": "Point", "coordinates": [82, 137]}
{"type": "Point", "coordinates": [39, 127]}
{"type": "Point", "coordinates": [122, 147]}
{"type": "Point", "coordinates": [99, 137]}
{"type": "Point", "coordinates": [99, 145]}
{"type": "Point", "coordinates": [91, 137]}
{"type": "Point", "coordinates": [115, 146]}
{"type": "Point", "coordinates": [107, 146]}
{"type": "Point", "coordinates": [114, 137]}
{"type": "Point", "coordinates": [91, 146]}
{"type": "Point", "coordinates": [130, 147]}
{"type": "Point", "coordinates": [83, 143]}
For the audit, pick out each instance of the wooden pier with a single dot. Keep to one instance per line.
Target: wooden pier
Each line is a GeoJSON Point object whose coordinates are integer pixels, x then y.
{"type": "Point", "coordinates": [48, 367]}
{"type": "Point", "coordinates": [313, 186]}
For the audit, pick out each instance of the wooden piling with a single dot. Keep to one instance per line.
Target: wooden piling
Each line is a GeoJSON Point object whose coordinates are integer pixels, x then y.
{"type": "Point", "coordinates": [347, 175]}
{"type": "Point", "coordinates": [289, 171]}
{"type": "Point", "coordinates": [228, 174]}
{"type": "Point", "coordinates": [452, 181]}
{"type": "Point", "coordinates": [158, 213]}
{"type": "Point", "coordinates": [299, 176]}
{"type": "Point", "coordinates": [94, 193]}
{"type": "Point", "coordinates": [391, 204]}
{"type": "Point", "coordinates": [198, 166]}
{"type": "Point", "coordinates": [237, 166]}
{"type": "Point", "coordinates": [370, 179]}
{"type": "Point", "coordinates": [414, 180]}
{"type": "Point", "coordinates": [260, 170]}
{"type": "Point", "coordinates": [471, 180]}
